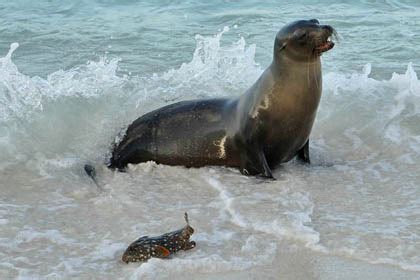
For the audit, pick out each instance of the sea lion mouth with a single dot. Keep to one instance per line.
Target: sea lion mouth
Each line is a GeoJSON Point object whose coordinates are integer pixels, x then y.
{"type": "Point", "coordinates": [325, 46]}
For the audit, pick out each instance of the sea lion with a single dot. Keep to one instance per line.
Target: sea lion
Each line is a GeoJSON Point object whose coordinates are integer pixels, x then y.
{"type": "Point", "coordinates": [161, 246]}
{"type": "Point", "coordinates": [269, 124]}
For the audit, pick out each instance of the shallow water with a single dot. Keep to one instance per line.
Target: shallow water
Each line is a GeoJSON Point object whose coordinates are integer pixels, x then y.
{"type": "Point", "coordinates": [83, 70]}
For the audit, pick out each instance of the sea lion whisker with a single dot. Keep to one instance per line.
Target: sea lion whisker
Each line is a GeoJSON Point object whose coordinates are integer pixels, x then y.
{"type": "Point", "coordinates": [334, 36]}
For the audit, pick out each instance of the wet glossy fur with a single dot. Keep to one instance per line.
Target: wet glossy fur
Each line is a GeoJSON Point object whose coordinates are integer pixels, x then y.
{"type": "Point", "coordinates": [267, 125]}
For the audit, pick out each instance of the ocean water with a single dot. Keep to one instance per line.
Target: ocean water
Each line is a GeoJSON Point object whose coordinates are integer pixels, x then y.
{"type": "Point", "coordinates": [75, 74]}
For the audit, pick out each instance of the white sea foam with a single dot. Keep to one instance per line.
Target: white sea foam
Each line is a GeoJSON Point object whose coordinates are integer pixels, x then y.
{"type": "Point", "coordinates": [27, 235]}
{"type": "Point", "coordinates": [256, 251]}
{"type": "Point", "coordinates": [290, 212]}
{"type": "Point", "coordinates": [358, 199]}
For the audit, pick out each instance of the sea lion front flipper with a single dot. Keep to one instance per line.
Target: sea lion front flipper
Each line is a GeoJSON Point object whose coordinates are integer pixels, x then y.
{"type": "Point", "coordinates": [264, 168]}
{"type": "Point", "coordinates": [303, 154]}
{"type": "Point", "coordinates": [254, 162]}
{"type": "Point", "coordinates": [161, 252]}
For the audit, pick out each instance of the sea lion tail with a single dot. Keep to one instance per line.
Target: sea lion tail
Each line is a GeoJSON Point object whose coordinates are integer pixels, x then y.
{"type": "Point", "coordinates": [91, 172]}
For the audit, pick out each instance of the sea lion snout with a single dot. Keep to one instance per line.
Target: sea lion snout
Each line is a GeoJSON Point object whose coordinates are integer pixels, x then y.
{"type": "Point", "coordinates": [324, 41]}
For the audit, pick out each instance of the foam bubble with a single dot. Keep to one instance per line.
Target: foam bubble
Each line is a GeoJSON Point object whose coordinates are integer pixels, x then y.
{"type": "Point", "coordinates": [291, 217]}
{"type": "Point", "coordinates": [362, 205]}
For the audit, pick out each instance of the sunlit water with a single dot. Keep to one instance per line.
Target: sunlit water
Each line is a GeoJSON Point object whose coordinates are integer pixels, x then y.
{"type": "Point", "coordinates": [73, 75]}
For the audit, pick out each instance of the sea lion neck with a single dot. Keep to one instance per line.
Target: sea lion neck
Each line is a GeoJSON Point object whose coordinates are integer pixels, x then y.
{"type": "Point", "coordinates": [283, 63]}
{"type": "Point", "coordinates": [284, 60]}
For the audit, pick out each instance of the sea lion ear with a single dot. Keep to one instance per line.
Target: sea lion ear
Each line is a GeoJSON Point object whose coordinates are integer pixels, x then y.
{"type": "Point", "coordinates": [161, 252]}
{"type": "Point", "coordinates": [283, 46]}
{"type": "Point", "coordinates": [279, 44]}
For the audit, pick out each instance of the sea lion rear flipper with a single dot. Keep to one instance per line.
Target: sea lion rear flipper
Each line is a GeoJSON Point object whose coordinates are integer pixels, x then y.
{"type": "Point", "coordinates": [303, 154]}
{"type": "Point", "coordinates": [91, 172]}
{"type": "Point", "coordinates": [161, 252]}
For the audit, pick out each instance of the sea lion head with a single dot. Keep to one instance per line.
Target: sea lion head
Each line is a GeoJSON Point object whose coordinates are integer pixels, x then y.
{"type": "Point", "coordinates": [303, 40]}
